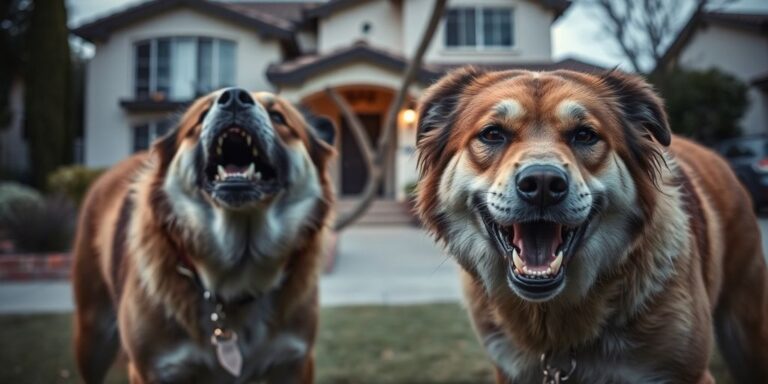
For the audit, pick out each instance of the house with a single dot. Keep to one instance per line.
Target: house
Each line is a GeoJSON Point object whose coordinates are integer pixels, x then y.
{"type": "Point", "coordinates": [153, 58]}
{"type": "Point", "coordinates": [734, 43]}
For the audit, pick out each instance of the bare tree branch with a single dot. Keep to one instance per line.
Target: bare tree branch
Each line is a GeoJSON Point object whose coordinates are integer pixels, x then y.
{"type": "Point", "coordinates": [386, 142]}
{"type": "Point", "coordinates": [617, 23]}
{"type": "Point", "coordinates": [642, 28]}
{"type": "Point", "coordinates": [355, 125]}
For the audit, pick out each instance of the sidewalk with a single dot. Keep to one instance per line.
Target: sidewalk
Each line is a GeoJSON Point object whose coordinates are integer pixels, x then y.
{"type": "Point", "coordinates": [375, 265]}
{"type": "Point", "coordinates": [389, 265]}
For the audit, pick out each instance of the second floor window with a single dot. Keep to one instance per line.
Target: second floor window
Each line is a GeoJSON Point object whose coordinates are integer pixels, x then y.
{"type": "Point", "coordinates": [181, 68]}
{"type": "Point", "coordinates": [479, 28]}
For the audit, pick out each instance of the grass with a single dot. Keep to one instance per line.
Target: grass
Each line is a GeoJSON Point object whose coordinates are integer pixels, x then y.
{"type": "Point", "coordinates": [408, 344]}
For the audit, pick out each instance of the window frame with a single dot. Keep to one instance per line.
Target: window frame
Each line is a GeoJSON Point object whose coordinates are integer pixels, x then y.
{"type": "Point", "coordinates": [153, 132]}
{"type": "Point", "coordinates": [216, 77]}
{"type": "Point", "coordinates": [480, 45]}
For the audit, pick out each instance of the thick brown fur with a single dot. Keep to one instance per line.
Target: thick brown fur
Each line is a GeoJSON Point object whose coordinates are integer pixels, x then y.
{"type": "Point", "coordinates": [638, 309]}
{"type": "Point", "coordinates": [131, 242]}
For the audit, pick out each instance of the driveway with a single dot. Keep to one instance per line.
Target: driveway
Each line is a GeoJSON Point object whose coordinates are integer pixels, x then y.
{"type": "Point", "coordinates": [375, 265]}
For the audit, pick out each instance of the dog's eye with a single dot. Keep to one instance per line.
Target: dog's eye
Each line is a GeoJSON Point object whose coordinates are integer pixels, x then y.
{"type": "Point", "coordinates": [277, 117]}
{"type": "Point", "coordinates": [492, 135]}
{"type": "Point", "coordinates": [584, 135]}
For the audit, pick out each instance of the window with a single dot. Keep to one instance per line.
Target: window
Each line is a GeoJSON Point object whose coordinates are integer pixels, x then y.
{"type": "Point", "coordinates": [145, 134]}
{"type": "Point", "coordinates": [479, 28]}
{"type": "Point", "coordinates": [182, 68]}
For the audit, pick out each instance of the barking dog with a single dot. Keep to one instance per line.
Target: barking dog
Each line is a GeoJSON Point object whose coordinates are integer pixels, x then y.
{"type": "Point", "coordinates": [200, 257]}
{"type": "Point", "coordinates": [595, 246]}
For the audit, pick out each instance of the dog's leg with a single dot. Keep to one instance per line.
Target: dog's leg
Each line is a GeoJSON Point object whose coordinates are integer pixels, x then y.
{"type": "Point", "coordinates": [95, 335]}
{"type": "Point", "coordinates": [741, 320]}
{"type": "Point", "coordinates": [298, 372]}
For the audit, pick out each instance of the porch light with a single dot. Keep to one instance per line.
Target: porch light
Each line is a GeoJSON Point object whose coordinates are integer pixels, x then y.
{"type": "Point", "coordinates": [409, 116]}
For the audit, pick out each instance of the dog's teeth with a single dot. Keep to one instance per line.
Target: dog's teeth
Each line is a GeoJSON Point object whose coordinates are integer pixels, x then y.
{"type": "Point", "coordinates": [249, 172]}
{"type": "Point", "coordinates": [258, 175]}
{"type": "Point", "coordinates": [516, 260]}
{"type": "Point", "coordinates": [248, 140]}
{"type": "Point", "coordinates": [255, 152]}
{"type": "Point", "coordinates": [222, 173]}
{"type": "Point", "coordinates": [555, 264]}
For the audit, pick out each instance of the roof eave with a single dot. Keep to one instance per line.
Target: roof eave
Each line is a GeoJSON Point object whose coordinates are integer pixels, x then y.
{"type": "Point", "coordinates": [100, 29]}
{"type": "Point", "coordinates": [299, 75]}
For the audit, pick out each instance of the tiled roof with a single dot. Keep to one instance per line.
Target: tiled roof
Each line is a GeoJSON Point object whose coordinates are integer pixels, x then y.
{"type": "Point", "coordinates": [569, 63]}
{"type": "Point", "coordinates": [295, 72]}
{"type": "Point", "coordinates": [266, 23]}
{"type": "Point", "coordinates": [291, 11]}
{"type": "Point", "coordinates": [559, 6]}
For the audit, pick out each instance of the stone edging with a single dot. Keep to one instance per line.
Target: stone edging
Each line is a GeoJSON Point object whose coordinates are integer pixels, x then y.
{"type": "Point", "coordinates": [47, 266]}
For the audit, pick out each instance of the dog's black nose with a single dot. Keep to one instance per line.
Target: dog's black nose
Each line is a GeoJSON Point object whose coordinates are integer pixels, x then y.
{"type": "Point", "coordinates": [542, 185]}
{"type": "Point", "coordinates": [234, 99]}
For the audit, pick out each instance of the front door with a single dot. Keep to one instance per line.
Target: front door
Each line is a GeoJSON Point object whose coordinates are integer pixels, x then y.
{"type": "Point", "coordinates": [353, 172]}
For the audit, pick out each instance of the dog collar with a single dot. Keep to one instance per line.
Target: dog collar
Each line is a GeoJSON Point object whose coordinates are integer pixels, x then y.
{"type": "Point", "coordinates": [222, 338]}
{"type": "Point", "coordinates": [555, 375]}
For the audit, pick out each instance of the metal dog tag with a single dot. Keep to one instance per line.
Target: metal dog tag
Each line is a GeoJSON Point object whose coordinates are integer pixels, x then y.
{"type": "Point", "coordinates": [227, 351]}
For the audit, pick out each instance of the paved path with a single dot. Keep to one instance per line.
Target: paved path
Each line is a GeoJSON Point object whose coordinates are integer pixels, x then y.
{"type": "Point", "coordinates": [389, 265]}
{"type": "Point", "coordinates": [375, 265]}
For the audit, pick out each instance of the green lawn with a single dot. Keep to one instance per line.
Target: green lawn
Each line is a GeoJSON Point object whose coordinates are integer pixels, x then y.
{"type": "Point", "coordinates": [408, 344]}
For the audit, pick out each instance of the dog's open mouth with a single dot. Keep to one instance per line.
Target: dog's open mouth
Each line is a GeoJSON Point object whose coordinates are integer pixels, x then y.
{"type": "Point", "coordinates": [537, 253]}
{"type": "Point", "coordinates": [237, 163]}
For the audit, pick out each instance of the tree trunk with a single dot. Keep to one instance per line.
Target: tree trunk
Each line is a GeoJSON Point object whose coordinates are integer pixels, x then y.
{"type": "Point", "coordinates": [48, 100]}
{"type": "Point", "coordinates": [377, 164]}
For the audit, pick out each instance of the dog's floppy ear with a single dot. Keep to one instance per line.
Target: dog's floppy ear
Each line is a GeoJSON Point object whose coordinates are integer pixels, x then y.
{"type": "Point", "coordinates": [640, 105]}
{"type": "Point", "coordinates": [437, 112]}
{"type": "Point", "coordinates": [165, 147]}
{"type": "Point", "coordinates": [437, 105]}
{"type": "Point", "coordinates": [324, 128]}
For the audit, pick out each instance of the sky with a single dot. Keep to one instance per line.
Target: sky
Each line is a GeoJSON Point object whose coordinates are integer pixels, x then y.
{"type": "Point", "coordinates": [576, 34]}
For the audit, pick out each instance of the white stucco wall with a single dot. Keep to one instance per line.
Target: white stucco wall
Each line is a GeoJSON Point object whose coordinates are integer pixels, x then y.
{"type": "Point", "coordinates": [345, 26]}
{"type": "Point", "coordinates": [110, 75]}
{"type": "Point", "coordinates": [531, 25]}
{"type": "Point", "coordinates": [741, 54]}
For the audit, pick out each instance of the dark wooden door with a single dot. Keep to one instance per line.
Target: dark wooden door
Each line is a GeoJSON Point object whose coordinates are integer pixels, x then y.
{"type": "Point", "coordinates": [353, 172]}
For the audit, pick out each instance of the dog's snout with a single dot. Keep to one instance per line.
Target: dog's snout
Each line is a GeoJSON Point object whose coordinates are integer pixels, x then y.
{"type": "Point", "coordinates": [234, 99]}
{"type": "Point", "coordinates": [542, 185]}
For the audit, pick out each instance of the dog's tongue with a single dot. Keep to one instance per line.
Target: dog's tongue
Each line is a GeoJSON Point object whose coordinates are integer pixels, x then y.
{"type": "Point", "coordinates": [537, 241]}
{"type": "Point", "coordinates": [232, 168]}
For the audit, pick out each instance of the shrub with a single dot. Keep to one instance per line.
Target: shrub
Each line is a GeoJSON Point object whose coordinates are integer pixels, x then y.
{"type": "Point", "coordinates": [13, 194]}
{"type": "Point", "coordinates": [704, 105]}
{"type": "Point", "coordinates": [41, 226]}
{"type": "Point", "coordinates": [73, 181]}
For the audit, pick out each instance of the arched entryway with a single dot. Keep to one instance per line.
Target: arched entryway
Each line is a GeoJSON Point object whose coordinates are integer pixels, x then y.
{"type": "Point", "coordinates": [370, 103]}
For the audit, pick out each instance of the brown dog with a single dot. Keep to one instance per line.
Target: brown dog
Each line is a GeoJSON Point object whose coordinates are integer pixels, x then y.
{"type": "Point", "coordinates": [590, 249]}
{"type": "Point", "coordinates": [201, 256]}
